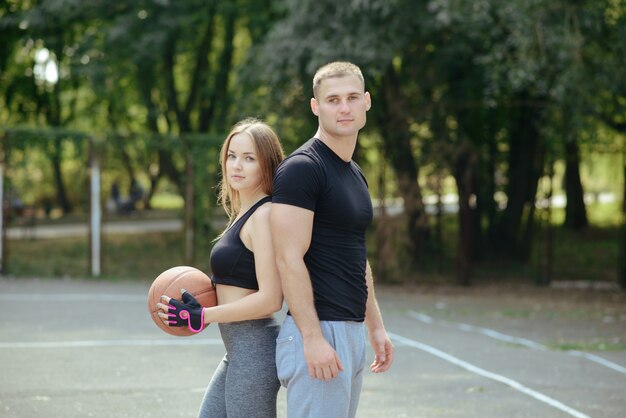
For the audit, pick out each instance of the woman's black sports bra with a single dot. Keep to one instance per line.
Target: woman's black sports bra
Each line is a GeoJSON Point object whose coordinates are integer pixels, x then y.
{"type": "Point", "coordinates": [231, 262]}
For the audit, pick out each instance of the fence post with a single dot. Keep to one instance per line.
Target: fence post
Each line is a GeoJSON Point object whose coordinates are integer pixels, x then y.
{"type": "Point", "coordinates": [95, 222]}
{"type": "Point", "coordinates": [621, 273]}
{"type": "Point", "coordinates": [2, 225]}
{"type": "Point", "coordinates": [189, 208]}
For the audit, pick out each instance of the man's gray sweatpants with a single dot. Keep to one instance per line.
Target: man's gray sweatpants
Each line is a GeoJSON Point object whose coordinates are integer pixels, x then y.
{"type": "Point", "coordinates": [314, 398]}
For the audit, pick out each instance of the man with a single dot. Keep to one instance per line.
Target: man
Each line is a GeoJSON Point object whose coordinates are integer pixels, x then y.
{"type": "Point", "coordinates": [321, 209]}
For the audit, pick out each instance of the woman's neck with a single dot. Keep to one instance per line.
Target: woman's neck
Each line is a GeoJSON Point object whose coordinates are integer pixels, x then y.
{"type": "Point", "coordinates": [247, 200]}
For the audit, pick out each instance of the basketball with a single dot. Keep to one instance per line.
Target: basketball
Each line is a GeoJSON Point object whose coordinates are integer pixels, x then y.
{"type": "Point", "coordinates": [169, 283]}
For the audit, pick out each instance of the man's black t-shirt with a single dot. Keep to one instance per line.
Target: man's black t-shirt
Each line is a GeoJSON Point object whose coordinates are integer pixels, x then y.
{"type": "Point", "coordinates": [317, 179]}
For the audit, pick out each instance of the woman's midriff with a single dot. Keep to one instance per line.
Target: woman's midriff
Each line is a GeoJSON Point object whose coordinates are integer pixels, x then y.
{"type": "Point", "coordinates": [228, 294]}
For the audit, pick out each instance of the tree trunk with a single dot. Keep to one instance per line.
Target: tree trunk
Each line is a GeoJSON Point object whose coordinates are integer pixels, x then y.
{"type": "Point", "coordinates": [52, 113]}
{"type": "Point", "coordinates": [486, 202]}
{"type": "Point", "coordinates": [147, 81]}
{"type": "Point", "coordinates": [384, 250]}
{"type": "Point", "coordinates": [397, 144]}
{"type": "Point", "coordinates": [515, 229]}
{"type": "Point", "coordinates": [214, 103]}
{"type": "Point", "coordinates": [465, 173]}
{"type": "Point", "coordinates": [575, 211]}
{"type": "Point", "coordinates": [199, 78]}
{"type": "Point", "coordinates": [547, 266]}
{"type": "Point", "coordinates": [56, 158]}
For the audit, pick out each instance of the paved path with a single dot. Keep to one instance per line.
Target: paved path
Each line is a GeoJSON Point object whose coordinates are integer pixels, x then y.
{"type": "Point", "coordinates": [135, 226]}
{"type": "Point", "coordinates": [72, 348]}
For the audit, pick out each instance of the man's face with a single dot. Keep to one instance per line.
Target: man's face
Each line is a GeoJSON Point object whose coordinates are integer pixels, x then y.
{"type": "Point", "coordinates": [341, 106]}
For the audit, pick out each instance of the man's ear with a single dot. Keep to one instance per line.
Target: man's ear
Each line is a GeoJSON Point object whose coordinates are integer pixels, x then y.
{"type": "Point", "coordinates": [368, 100]}
{"type": "Point", "coordinates": [314, 106]}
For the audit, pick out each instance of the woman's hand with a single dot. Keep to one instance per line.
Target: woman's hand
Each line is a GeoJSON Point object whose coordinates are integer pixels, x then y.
{"type": "Point", "coordinates": [175, 313]}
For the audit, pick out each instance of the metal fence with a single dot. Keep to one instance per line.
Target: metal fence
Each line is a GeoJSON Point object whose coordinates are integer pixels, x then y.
{"type": "Point", "coordinates": [78, 171]}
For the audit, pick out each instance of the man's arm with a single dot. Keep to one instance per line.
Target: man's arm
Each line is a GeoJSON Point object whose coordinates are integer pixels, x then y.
{"type": "Point", "coordinates": [292, 229]}
{"type": "Point", "coordinates": [383, 348]}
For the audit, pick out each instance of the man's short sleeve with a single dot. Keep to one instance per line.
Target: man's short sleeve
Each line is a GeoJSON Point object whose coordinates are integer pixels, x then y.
{"type": "Point", "coordinates": [297, 182]}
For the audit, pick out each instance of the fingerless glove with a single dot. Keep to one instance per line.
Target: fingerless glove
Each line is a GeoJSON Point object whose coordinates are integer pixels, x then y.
{"type": "Point", "coordinates": [188, 312]}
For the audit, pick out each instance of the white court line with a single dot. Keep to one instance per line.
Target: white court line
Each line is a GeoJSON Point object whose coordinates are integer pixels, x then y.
{"type": "Point", "coordinates": [598, 359]}
{"type": "Point", "coordinates": [109, 343]}
{"type": "Point", "coordinates": [485, 373]}
{"type": "Point", "coordinates": [515, 340]}
{"type": "Point", "coordinates": [73, 297]}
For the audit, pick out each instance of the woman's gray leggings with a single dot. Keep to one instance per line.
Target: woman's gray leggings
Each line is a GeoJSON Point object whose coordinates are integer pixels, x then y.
{"type": "Point", "coordinates": [245, 382]}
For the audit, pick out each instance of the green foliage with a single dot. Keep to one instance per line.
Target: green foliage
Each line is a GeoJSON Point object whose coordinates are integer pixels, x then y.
{"type": "Point", "coordinates": [487, 93]}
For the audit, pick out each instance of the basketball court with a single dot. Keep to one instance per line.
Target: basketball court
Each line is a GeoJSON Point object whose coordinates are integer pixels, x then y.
{"type": "Point", "coordinates": [72, 348]}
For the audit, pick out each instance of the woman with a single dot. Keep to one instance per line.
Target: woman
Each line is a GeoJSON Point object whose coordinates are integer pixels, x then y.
{"type": "Point", "coordinates": [246, 280]}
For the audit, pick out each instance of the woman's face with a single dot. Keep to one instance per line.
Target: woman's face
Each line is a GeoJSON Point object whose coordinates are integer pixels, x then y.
{"type": "Point", "coordinates": [243, 170]}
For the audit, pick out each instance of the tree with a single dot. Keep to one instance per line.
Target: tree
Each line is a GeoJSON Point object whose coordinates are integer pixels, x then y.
{"type": "Point", "coordinates": [171, 64]}
{"type": "Point", "coordinates": [368, 34]}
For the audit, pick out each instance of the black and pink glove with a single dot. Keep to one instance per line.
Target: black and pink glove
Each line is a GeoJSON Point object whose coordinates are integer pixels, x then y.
{"type": "Point", "coordinates": [188, 312]}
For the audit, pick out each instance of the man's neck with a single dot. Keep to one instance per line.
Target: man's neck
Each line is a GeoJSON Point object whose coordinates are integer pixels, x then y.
{"type": "Point", "coordinates": [344, 147]}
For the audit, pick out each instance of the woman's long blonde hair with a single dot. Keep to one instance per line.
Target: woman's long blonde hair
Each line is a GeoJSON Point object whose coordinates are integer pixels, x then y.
{"type": "Point", "coordinates": [269, 152]}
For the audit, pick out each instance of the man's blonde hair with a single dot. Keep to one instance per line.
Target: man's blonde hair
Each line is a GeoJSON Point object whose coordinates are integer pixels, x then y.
{"type": "Point", "coordinates": [336, 69]}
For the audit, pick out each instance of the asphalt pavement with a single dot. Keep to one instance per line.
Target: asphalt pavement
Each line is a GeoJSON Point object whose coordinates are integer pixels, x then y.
{"type": "Point", "coordinates": [73, 348]}
{"type": "Point", "coordinates": [130, 226]}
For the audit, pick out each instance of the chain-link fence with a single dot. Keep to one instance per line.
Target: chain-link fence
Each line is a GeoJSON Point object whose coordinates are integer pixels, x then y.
{"type": "Point", "coordinates": [47, 175]}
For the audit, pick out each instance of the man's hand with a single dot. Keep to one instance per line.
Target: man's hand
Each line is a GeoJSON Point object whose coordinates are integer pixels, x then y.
{"type": "Point", "coordinates": [322, 359]}
{"type": "Point", "coordinates": [383, 348]}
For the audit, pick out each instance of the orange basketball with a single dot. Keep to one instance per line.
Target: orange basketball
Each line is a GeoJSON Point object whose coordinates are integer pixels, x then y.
{"type": "Point", "coordinates": [169, 283]}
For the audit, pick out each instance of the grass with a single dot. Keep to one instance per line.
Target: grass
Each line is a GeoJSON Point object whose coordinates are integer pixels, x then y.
{"type": "Point", "coordinates": [167, 201]}
{"type": "Point", "coordinates": [589, 255]}
{"type": "Point", "coordinates": [58, 258]}
{"type": "Point", "coordinates": [598, 346]}
{"type": "Point", "coordinates": [140, 257]}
